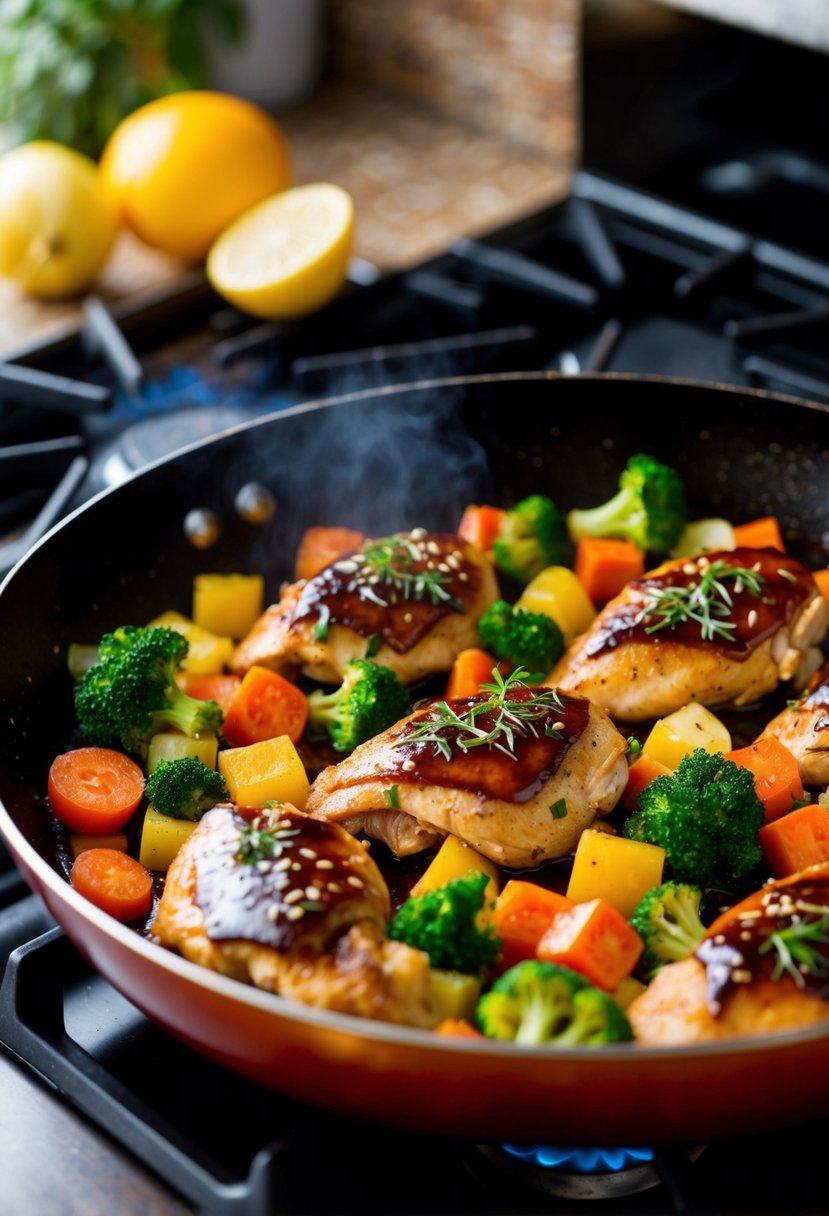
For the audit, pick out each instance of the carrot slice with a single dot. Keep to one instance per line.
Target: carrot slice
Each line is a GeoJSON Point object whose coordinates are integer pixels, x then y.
{"type": "Point", "coordinates": [796, 840]}
{"type": "Point", "coordinates": [605, 567]}
{"type": "Point", "coordinates": [320, 547]}
{"type": "Point", "coordinates": [94, 790]}
{"type": "Point", "coordinates": [776, 774]}
{"type": "Point", "coordinates": [821, 577]}
{"type": "Point", "coordinates": [759, 534]}
{"type": "Point", "coordinates": [114, 882]}
{"type": "Point", "coordinates": [595, 940]}
{"type": "Point", "coordinates": [480, 525]}
{"type": "Point", "coordinates": [265, 705]}
{"type": "Point", "coordinates": [220, 688]}
{"type": "Point", "coordinates": [471, 669]}
{"type": "Point", "coordinates": [640, 774]}
{"type": "Point", "coordinates": [458, 1028]}
{"type": "Point", "coordinates": [522, 914]}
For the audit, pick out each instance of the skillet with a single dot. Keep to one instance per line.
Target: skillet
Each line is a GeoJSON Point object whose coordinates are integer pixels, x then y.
{"type": "Point", "coordinates": [381, 460]}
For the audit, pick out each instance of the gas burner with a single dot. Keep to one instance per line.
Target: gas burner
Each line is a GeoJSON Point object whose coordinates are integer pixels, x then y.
{"type": "Point", "coordinates": [155, 437]}
{"type": "Point", "coordinates": [580, 1173]}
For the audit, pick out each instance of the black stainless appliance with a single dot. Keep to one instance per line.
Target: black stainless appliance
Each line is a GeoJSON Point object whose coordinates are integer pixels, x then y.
{"type": "Point", "coordinates": [690, 245]}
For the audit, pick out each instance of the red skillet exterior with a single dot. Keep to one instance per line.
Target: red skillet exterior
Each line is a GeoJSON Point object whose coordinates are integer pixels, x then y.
{"type": "Point", "coordinates": [488, 1091]}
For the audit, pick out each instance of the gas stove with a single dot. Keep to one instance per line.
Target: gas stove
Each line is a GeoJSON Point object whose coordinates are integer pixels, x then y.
{"type": "Point", "coordinates": [697, 252]}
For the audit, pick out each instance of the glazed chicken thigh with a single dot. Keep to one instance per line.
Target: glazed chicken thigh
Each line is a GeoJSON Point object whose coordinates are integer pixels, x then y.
{"type": "Point", "coordinates": [722, 629]}
{"type": "Point", "coordinates": [803, 727]}
{"type": "Point", "coordinates": [520, 803]}
{"type": "Point", "coordinates": [293, 906]}
{"type": "Point", "coordinates": [420, 593]}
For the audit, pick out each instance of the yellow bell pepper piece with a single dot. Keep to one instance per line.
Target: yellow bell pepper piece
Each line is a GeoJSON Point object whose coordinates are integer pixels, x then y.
{"type": "Point", "coordinates": [173, 745]}
{"type": "Point", "coordinates": [452, 860]}
{"type": "Point", "coordinates": [627, 992]}
{"type": "Point", "coordinates": [228, 603]}
{"type": "Point", "coordinates": [614, 869]}
{"type": "Point", "coordinates": [79, 844]}
{"type": "Point", "coordinates": [161, 839]}
{"type": "Point", "coordinates": [270, 771]}
{"type": "Point", "coordinates": [556, 592]}
{"type": "Point", "coordinates": [453, 994]}
{"type": "Point", "coordinates": [208, 654]}
{"type": "Point", "coordinates": [683, 731]}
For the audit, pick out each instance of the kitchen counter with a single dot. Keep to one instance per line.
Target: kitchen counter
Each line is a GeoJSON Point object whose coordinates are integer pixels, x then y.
{"type": "Point", "coordinates": [418, 179]}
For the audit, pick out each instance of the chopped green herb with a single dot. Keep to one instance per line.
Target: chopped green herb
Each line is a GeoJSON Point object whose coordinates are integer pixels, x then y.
{"type": "Point", "coordinates": [792, 704]}
{"type": "Point", "coordinates": [707, 601]}
{"type": "Point", "coordinates": [373, 645]}
{"type": "Point", "coordinates": [257, 844]}
{"type": "Point", "coordinates": [559, 809]}
{"type": "Point", "coordinates": [392, 798]}
{"type": "Point", "coordinates": [797, 949]}
{"type": "Point", "coordinates": [391, 563]}
{"type": "Point", "coordinates": [320, 630]}
{"type": "Point", "coordinates": [634, 747]}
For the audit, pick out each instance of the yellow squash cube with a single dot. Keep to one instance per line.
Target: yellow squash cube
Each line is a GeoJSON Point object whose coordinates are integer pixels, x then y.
{"type": "Point", "coordinates": [614, 869]}
{"type": "Point", "coordinates": [174, 745]}
{"type": "Point", "coordinates": [270, 771]}
{"type": "Point", "coordinates": [454, 994]}
{"type": "Point", "coordinates": [161, 839]}
{"type": "Point", "coordinates": [208, 654]}
{"type": "Point", "coordinates": [228, 603]}
{"type": "Point", "coordinates": [452, 860]}
{"type": "Point", "coordinates": [682, 732]}
{"type": "Point", "coordinates": [627, 992]}
{"type": "Point", "coordinates": [556, 592]}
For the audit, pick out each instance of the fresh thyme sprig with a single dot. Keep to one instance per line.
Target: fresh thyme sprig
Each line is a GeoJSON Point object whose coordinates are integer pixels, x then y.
{"type": "Point", "coordinates": [708, 601]}
{"type": "Point", "coordinates": [513, 717]}
{"type": "Point", "coordinates": [797, 949]}
{"type": "Point", "coordinates": [391, 562]}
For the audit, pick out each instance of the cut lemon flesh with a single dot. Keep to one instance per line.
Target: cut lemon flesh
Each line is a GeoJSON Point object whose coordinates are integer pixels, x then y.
{"type": "Point", "coordinates": [288, 255]}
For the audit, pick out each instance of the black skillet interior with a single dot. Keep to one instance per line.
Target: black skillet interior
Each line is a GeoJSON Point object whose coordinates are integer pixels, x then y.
{"type": "Point", "coordinates": [414, 455]}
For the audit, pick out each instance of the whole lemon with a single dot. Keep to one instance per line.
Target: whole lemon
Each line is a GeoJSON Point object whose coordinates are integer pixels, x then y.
{"type": "Point", "coordinates": [57, 223]}
{"type": "Point", "coordinates": [185, 166]}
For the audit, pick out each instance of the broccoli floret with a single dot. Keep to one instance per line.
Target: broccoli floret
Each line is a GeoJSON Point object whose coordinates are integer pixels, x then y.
{"type": "Point", "coordinates": [667, 920]}
{"type": "Point", "coordinates": [532, 536]}
{"type": "Point", "coordinates": [131, 691]}
{"type": "Point", "coordinates": [443, 923]}
{"type": "Point", "coordinates": [649, 508]}
{"type": "Point", "coordinates": [185, 788]}
{"type": "Point", "coordinates": [369, 700]}
{"type": "Point", "coordinates": [525, 639]}
{"type": "Point", "coordinates": [541, 1004]}
{"type": "Point", "coordinates": [705, 816]}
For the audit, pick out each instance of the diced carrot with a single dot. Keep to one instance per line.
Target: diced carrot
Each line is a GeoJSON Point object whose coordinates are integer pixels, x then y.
{"type": "Point", "coordinates": [640, 774]}
{"type": "Point", "coordinates": [471, 669]}
{"type": "Point", "coordinates": [221, 689]}
{"type": "Point", "coordinates": [759, 534]}
{"type": "Point", "coordinates": [595, 940]}
{"type": "Point", "coordinates": [522, 914]}
{"type": "Point", "coordinates": [113, 881]}
{"type": "Point", "coordinates": [480, 525]}
{"type": "Point", "coordinates": [821, 577]}
{"type": "Point", "coordinates": [796, 840]}
{"type": "Point", "coordinates": [776, 774]}
{"type": "Point", "coordinates": [320, 547]}
{"type": "Point", "coordinates": [605, 567]}
{"type": "Point", "coordinates": [458, 1028]}
{"type": "Point", "coordinates": [265, 705]}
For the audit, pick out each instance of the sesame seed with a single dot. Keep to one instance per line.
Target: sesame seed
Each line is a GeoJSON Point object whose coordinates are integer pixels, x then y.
{"type": "Point", "coordinates": [347, 566]}
{"type": "Point", "coordinates": [418, 533]}
{"type": "Point", "coordinates": [325, 864]}
{"type": "Point", "coordinates": [703, 562]}
{"type": "Point", "coordinates": [432, 547]}
{"type": "Point", "coordinates": [719, 940]}
{"type": "Point", "coordinates": [741, 976]}
{"type": "Point", "coordinates": [738, 585]}
{"type": "Point", "coordinates": [752, 618]}
{"type": "Point", "coordinates": [283, 864]}
{"type": "Point", "coordinates": [787, 575]}
{"type": "Point", "coordinates": [333, 887]}
{"type": "Point", "coordinates": [281, 882]}
{"type": "Point", "coordinates": [293, 896]}
{"type": "Point", "coordinates": [689, 568]}
{"type": "Point", "coordinates": [444, 567]}
{"type": "Point", "coordinates": [354, 881]}
{"type": "Point", "coordinates": [463, 577]}
{"type": "Point", "coordinates": [407, 617]}
{"type": "Point", "coordinates": [273, 912]}
{"type": "Point", "coordinates": [745, 936]}
{"type": "Point", "coordinates": [755, 914]}
{"type": "Point", "coordinates": [309, 853]}
{"type": "Point", "coordinates": [312, 892]}
{"type": "Point", "coordinates": [296, 865]}
{"type": "Point", "coordinates": [285, 823]}
{"type": "Point", "coordinates": [408, 766]}
{"type": "Point", "coordinates": [295, 913]}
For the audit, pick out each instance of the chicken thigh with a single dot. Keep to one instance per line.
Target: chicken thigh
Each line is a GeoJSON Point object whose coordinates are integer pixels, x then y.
{"type": "Point", "coordinates": [548, 766]}
{"type": "Point", "coordinates": [722, 629]}
{"type": "Point", "coordinates": [296, 907]}
{"type": "Point", "coordinates": [420, 593]}
{"type": "Point", "coordinates": [803, 727]}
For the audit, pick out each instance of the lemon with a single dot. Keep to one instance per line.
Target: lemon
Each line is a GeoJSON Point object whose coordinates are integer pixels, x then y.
{"type": "Point", "coordinates": [288, 255]}
{"type": "Point", "coordinates": [57, 223]}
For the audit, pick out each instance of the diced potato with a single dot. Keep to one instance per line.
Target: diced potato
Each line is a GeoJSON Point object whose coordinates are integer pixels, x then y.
{"type": "Point", "coordinates": [174, 745]}
{"type": "Point", "coordinates": [557, 593]}
{"type": "Point", "coordinates": [270, 771]}
{"type": "Point", "coordinates": [614, 869]}
{"type": "Point", "coordinates": [208, 654]}
{"type": "Point", "coordinates": [161, 839]}
{"type": "Point", "coordinates": [703, 535]}
{"type": "Point", "coordinates": [79, 844]}
{"type": "Point", "coordinates": [684, 731]}
{"type": "Point", "coordinates": [454, 995]}
{"type": "Point", "coordinates": [629, 989]}
{"type": "Point", "coordinates": [452, 860]}
{"type": "Point", "coordinates": [228, 603]}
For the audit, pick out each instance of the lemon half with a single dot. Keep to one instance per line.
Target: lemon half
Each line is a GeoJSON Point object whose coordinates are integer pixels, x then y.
{"type": "Point", "coordinates": [288, 255]}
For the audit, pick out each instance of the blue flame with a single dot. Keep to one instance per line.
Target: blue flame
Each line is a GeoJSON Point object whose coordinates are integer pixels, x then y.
{"type": "Point", "coordinates": [580, 1160]}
